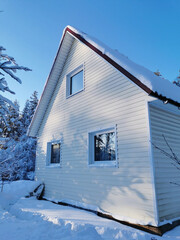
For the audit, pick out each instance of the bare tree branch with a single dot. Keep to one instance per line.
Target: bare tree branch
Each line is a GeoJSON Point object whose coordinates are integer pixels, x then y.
{"type": "Point", "coordinates": [172, 156]}
{"type": "Point", "coordinates": [175, 183]}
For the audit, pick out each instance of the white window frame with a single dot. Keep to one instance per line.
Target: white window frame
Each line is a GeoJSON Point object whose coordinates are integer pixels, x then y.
{"type": "Point", "coordinates": [48, 154]}
{"type": "Point", "coordinates": [91, 149]}
{"type": "Point", "coordinates": [68, 80]}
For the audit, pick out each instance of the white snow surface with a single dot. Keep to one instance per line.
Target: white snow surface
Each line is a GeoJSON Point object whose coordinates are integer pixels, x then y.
{"type": "Point", "coordinates": [13, 191]}
{"type": "Point", "coordinates": [95, 208]}
{"type": "Point", "coordinates": [157, 84]}
{"type": "Point", "coordinates": [29, 218]}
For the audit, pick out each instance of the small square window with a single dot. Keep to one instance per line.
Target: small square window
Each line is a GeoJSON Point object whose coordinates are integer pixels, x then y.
{"type": "Point", "coordinates": [102, 148]}
{"type": "Point", "coordinates": [53, 153]}
{"type": "Point", "coordinates": [75, 81]}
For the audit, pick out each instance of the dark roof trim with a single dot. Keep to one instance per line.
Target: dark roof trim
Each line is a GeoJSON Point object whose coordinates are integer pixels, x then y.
{"type": "Point", "coordinates": [164, 99]}
{"type": "Point", "coordinates": [121, 69]}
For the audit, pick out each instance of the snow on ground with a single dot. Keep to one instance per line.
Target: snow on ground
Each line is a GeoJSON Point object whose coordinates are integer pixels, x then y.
{"type": "Point", "coordinates": [15, 190]}
{"type": "Point", "coordinates": [29, 218]}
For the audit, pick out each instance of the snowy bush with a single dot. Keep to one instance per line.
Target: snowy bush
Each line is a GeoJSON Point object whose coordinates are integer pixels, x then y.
{"type": "Point", "coordinates": [17, 151]}
{"type": "Point", "coordinates": [17, 159]}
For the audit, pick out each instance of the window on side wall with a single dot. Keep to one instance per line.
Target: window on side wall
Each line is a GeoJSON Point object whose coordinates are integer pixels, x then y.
{"type": "Point", "coordinates": [102, 148]}
{"type": "Point", "coordinates": [53, 153]}
{"type": "Point", "coordinates": [75, 81]}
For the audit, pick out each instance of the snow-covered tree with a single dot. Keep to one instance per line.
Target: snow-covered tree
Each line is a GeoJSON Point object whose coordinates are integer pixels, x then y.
{"type": "Point", "coordinates": [13, 126]}
{"type": "Point", "coordinates": [33, 102]}
{"type": "Point", "coordinates": [7, 162]}
{"type": "Point", "coordinates": [17, 155]}
{"type": "Point", "coordinates": [17, 159]}
{"type": "Point", "coordinates": [29, 109]}
{"type": "Point", "coordinates": [26, 116]}
{"type": "Point", "coordinates": [3, 114]}
{"type": "Point", "coordinates": [8, 67]}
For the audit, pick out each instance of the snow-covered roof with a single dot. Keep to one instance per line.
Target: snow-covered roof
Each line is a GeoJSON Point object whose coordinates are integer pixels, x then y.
{"type": "Point", "coordinates": [144, 78]}
{"type": "Point", "coordinates": [152, 83]}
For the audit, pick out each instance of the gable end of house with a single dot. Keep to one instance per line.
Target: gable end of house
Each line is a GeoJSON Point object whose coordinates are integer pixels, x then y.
{"type": "Point", "coordinates": [41, 108]}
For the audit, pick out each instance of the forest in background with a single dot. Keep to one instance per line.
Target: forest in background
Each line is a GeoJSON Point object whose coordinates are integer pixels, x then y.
{"type": "Point", "coordinates": [17, 150]}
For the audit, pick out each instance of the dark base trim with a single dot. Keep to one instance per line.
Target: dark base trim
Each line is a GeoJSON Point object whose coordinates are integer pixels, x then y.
{"type": "Point", "coordinates": [146, 228]}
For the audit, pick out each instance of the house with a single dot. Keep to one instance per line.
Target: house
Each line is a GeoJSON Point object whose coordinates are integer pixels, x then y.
{"type": "Point", "coordinates": [97, 122]}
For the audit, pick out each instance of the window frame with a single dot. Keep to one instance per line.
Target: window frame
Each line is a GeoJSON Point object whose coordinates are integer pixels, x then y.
{"type": "Point", "coordinates": [49, 153]}
{"type": "Point", "coordinates": [91, 148]}
{"type": "Point", "coordinates": [69, 81]}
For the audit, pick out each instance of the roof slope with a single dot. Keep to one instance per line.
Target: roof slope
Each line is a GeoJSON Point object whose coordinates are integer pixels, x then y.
{"type": "Point", "coordinates": [144, 78]}
{"type": "Point", "coordinates": [152, 83]}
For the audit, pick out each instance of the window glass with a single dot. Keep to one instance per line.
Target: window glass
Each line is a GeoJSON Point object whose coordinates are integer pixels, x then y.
{"type": "Point", "coordinates": [104, 145]}
{"type": "Point", "coordinates": [76, 82]}
{"type": "Point", "coordinates": [55, 153]}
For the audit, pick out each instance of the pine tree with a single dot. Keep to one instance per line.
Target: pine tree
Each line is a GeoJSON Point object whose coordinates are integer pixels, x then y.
{"type": "Point", "coordinates": [17, 156]}
{"type": "Point", "coordinates": [12, 128]}
{"type": "Point", "coordinates": [8, 67]}
{"type": "Point", "coordinates": [33, 103]}
{"type": "Point", "coordinates": [3, 115]}
{"type": "Point", "coordinates": [25, 116]}
{"type": "Point", "coordinates": [10, 124]}
{"type": "Point", "coordinates": [28, 111]}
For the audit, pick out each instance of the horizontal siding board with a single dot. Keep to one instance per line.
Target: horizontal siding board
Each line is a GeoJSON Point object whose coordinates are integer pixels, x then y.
{"type": "Point", "coordinates": [174, 202]}
{"type": "Point", "coordinates": [165, 132]}
{"type": "Point", "coordinates": [165, 121]}
{"type": "Point", "coordinates": [169, 115]}
{"type": "Point", "coordinates": [171, 141]}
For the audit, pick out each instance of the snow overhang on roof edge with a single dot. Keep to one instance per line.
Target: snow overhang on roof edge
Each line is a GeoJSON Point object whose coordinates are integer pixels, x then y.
{"type": "Point", "coordinates": [114, 58]}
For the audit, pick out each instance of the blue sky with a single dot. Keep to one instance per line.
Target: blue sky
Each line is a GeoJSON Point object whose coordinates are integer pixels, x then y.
{"type": "Point", "coordinates": [148, 32]}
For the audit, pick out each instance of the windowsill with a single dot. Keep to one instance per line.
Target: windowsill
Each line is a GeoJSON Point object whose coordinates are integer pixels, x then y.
{"type": "Point", "coordinates": [103, 164]}
{"type": "Point", "coordinates": [75, 93]}
{"type": "Point", "coordinates": [53, 165]}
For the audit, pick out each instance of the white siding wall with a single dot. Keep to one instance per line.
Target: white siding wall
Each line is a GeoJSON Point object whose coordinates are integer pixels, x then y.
{"type": "Point", "coordinates": [168, 194]}
{"type": "Point", "coordinates": [108, 99]}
